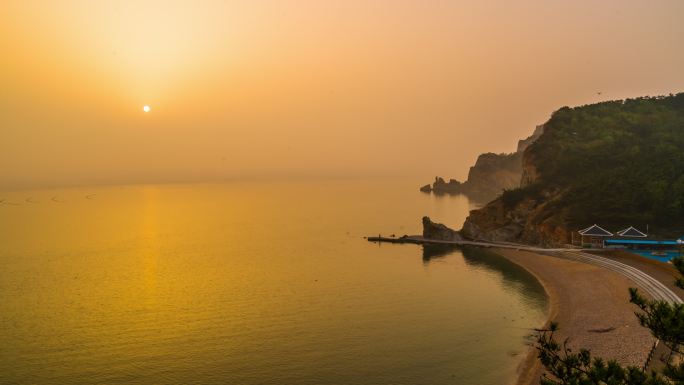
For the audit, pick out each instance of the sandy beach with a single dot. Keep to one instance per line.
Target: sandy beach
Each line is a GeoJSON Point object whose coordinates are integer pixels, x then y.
{"type": "Point", "coordinates": [591, 306]}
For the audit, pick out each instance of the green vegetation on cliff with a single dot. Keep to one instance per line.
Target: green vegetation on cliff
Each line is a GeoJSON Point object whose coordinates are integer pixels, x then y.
{"type": "Point", "coordinates": [616, 163]}
{"type": "Point", "coordinates": [621, 162]}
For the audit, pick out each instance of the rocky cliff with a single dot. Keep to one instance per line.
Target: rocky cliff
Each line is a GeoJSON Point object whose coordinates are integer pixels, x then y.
{"type": "Point", "coordinates": [491, 174]}
{"type": "Point", "coordinates": [525, 222]}
{"type": "Point", "coordinates": [616, 163]}
{"type": "Point", "coordinates": [524, 143]}
{"type": "Point", "coordinates": [438, 231]}
{"type": "Point", "coordinates": [522, 213]}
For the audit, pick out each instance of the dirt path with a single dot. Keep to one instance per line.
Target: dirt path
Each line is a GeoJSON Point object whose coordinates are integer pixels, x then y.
{"type": "Point", "coordinates": [663, 272]}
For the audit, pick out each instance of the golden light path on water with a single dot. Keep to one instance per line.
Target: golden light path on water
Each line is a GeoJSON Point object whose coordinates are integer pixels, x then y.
{"type": "Point", "coordinates": [251, 283]}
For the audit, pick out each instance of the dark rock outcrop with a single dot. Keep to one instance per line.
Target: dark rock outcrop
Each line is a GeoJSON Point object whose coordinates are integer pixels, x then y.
{"type": "Point", "coordinates": [439, 186]}
{"type": "Point", "coordinates": [426, 189]}
{"type": "Point", "coordinates": [438, 231]}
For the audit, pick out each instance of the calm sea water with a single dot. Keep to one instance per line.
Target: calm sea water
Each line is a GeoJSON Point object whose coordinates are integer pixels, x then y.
{"type": "Point", "coordinates": [669, 254]}
{"type": "Point", "coordinates": [251, 283]}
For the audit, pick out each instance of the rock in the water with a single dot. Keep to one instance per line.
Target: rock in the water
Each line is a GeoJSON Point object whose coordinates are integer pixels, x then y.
{"type": "Point", "coordinates": [442, 187]}
{"type": "Point", "coordinates": [438, 231]}
{"type": "Point", "coordinates": [427, 188]}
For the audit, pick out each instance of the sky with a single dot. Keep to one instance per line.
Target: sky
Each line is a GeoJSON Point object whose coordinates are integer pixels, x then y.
{"type": "Point", "coordinates": [299, 89]}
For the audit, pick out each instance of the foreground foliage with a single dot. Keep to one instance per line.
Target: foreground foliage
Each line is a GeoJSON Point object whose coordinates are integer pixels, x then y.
{"type": "Point", "coordinates": [567, 367]}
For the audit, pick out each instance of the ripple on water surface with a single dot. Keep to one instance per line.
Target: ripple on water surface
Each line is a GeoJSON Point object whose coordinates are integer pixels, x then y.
{"type": "Point", "coordinates": [260, 283]}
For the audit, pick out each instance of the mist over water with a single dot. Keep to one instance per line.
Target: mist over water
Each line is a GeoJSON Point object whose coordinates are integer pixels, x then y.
{"type": "Point", "coordinates": [252, 283]}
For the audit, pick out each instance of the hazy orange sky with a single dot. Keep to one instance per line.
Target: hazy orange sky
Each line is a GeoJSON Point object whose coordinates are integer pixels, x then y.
{"type": "Point", "coordinates": [307, 88]}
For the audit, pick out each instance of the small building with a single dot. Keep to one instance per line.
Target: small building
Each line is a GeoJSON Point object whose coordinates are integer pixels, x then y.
{"type": "Point", "coordinates": [594, 236]}
{"type": "Point", "coordinates": [631, 232]}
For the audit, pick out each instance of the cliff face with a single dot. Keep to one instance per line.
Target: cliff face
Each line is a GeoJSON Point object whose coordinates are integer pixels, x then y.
{"type": "Point", "coordinates": [616, 163]}
{"type": "Point", "coordinates": [524, 143]}
{"type": "Point", "coordinates": [491, 174]}
{"type": "Point", "coordinates": [438, 231]}
{"type": "Point", "coordinates": [525, 222]}
{"type": "Point", "coordinates": [524, 218]}
{"type": "Point", "coordinates": [529, 173]}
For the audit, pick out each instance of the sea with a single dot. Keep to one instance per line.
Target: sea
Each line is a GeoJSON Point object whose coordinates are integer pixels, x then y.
{"type": "Point", "coordinates": [253, 282]}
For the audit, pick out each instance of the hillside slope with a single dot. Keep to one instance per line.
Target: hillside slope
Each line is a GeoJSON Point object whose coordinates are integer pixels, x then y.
{"type": "Point", "coordinates": [615, 163]}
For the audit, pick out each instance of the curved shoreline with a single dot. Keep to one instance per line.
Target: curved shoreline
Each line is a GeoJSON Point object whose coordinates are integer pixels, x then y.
{"type": "Point", "coordinates": [586, 300]}
{"type": "Point", "coordinates": [529, 369]}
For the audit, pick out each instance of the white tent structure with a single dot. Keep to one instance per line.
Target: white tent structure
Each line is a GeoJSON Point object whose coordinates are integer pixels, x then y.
{"type": "Point", "coordinates": [594, 236]}
{"type": "Point", "coordinates": [631, 232]}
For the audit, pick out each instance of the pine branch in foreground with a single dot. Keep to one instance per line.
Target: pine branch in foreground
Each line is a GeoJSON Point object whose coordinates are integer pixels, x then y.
{"type": "Point", "coordinates": [666, 322]}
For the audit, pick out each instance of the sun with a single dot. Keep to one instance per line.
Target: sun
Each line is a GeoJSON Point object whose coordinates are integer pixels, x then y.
{"type": "Point", "coordinates": [146, 108]}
